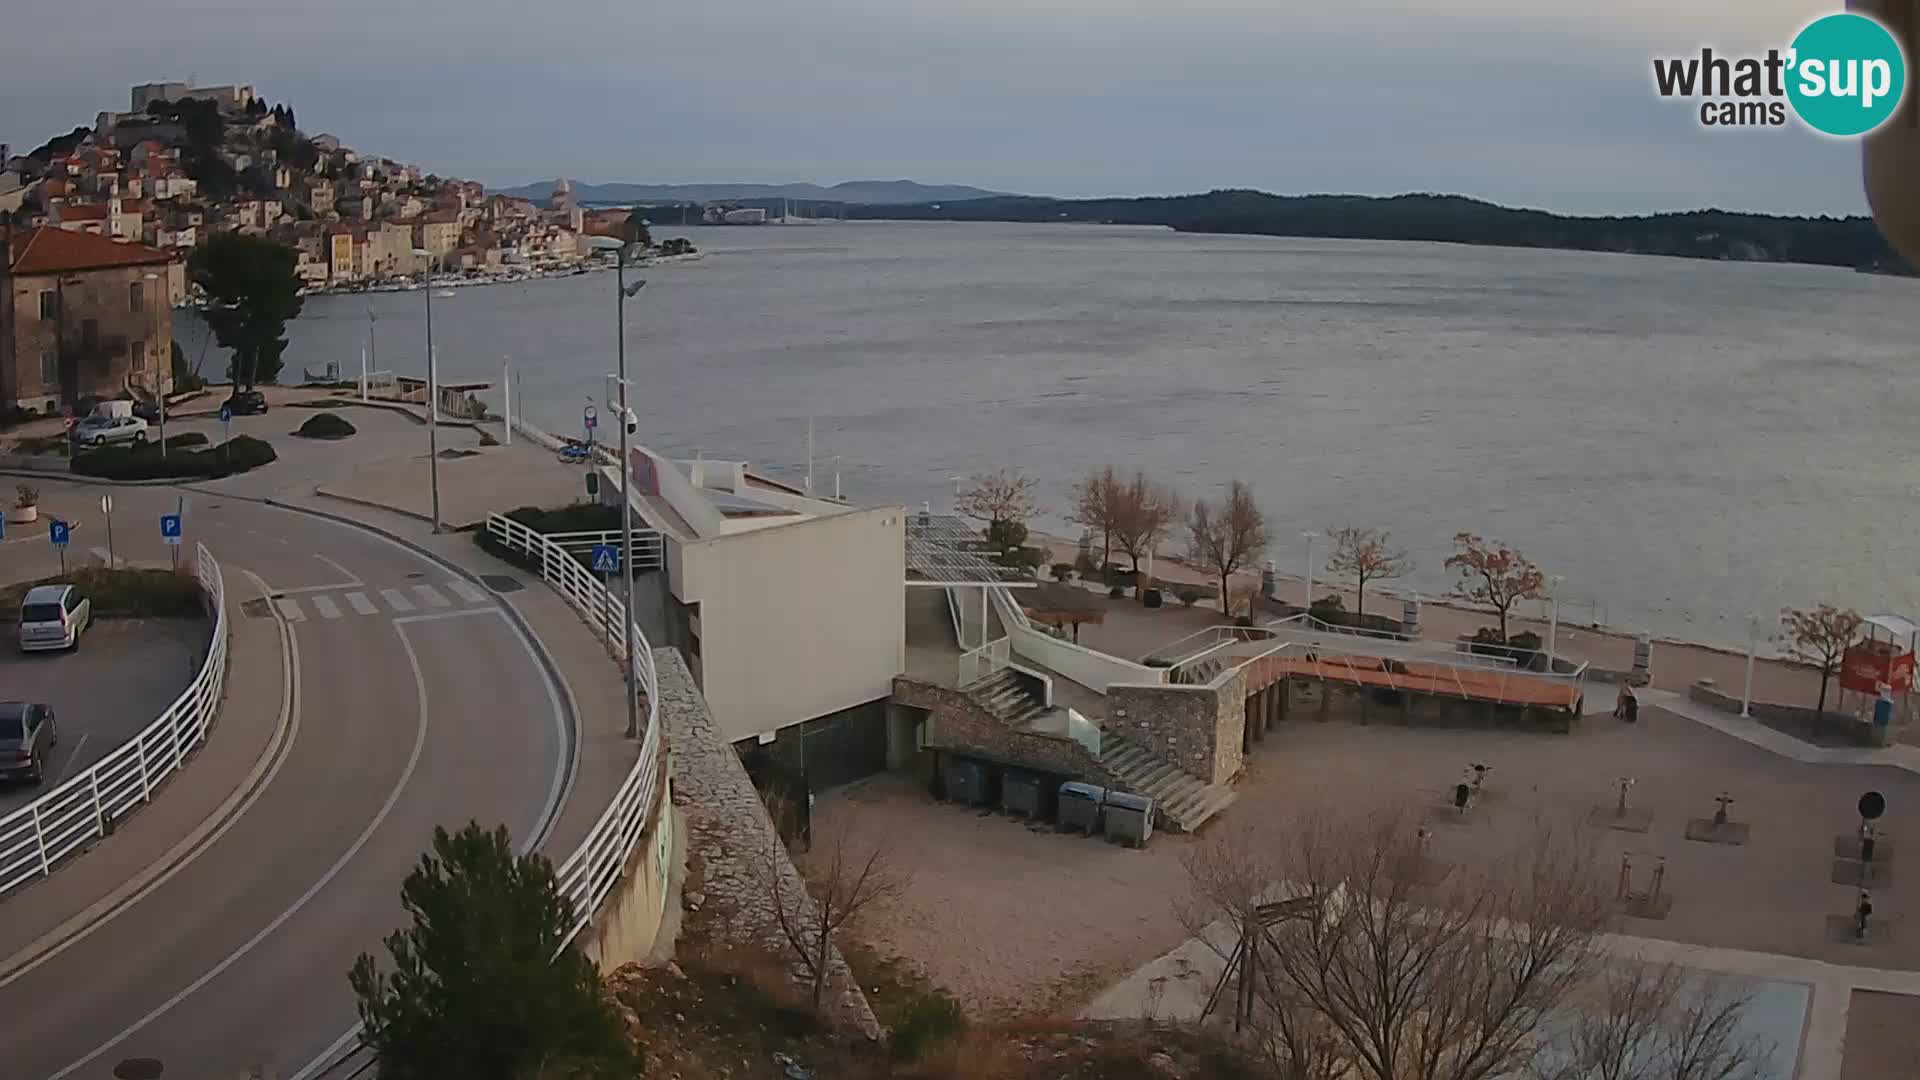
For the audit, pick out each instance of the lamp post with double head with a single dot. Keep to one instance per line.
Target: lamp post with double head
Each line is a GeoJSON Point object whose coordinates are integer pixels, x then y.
{"type": "Point", "coordinates": [623, 251]}
{"type": "Point", "coordinates": [433, 393]}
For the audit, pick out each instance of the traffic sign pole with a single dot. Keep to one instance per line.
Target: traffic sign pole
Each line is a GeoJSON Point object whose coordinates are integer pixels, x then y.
{"type": "Point", "coordinates": [106, 508]}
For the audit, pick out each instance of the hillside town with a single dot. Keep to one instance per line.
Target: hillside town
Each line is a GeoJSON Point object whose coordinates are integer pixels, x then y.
{"type": "Point", "coordinates": [185, 162]}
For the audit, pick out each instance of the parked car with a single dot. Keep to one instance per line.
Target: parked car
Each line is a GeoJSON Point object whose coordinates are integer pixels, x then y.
{"type": "Point", "coordinates": [101, 430]}
{"type": "Point", "coordinates": [53, 617]}
{"type": "Point", "coordinates": [27, 733]}
{"type": "Point", "coordinates": [147, 410]}
{"type": "Point", "coordinates": [247, 403]}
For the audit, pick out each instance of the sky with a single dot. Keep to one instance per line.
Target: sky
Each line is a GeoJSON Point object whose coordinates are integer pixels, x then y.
{"type": "Point", "coordinates": [1541, 103]}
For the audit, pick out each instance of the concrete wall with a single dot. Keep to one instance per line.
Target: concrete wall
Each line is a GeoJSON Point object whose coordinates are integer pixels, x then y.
{"type": "Point", "coordinates": [799, 620]}
{"type": "Point", "coordinates": [627, 928]}
{"type": "Point", "coordinates": [955, 722]}
{"type": "Point", "coordinates": [1093, 670]}
{"type": "Point", "coordinates": [1839, 725]}
{"type": "Point", "coordinates": [1198, 728]}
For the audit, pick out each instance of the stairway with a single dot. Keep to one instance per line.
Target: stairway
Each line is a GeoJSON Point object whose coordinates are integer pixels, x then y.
{"type": "Point", "coordinates": [1006, 696]}
{"type": "Point", "coordinates": [1182, 798]}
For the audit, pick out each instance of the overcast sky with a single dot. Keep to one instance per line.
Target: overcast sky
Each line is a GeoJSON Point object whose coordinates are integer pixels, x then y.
{"type": "Point", "coordinates": [1531, 102]}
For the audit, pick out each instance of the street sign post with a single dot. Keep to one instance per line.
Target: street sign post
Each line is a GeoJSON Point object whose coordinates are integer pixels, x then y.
{"type": "Point", "coordinates": [60, 532]}
{"type": "Point", "coordinates": [593, 485]}
{"type": "Point", "coordinates": [606, 561]}
{"type": "Point", "coordinates": [226, 429]}
{"type": "Point", "coordinates": [170, 535]}
{"type": "Point", "coordinates": [590, 419]}
{"type": "Point", "coordinates": [106, 510]}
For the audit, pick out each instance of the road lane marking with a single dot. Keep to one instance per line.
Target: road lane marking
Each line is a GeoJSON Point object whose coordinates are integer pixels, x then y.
{"type": "Point", "coordinates": [290, 609]}
{"type": "Point", "coordinates": [431, 596]}
{"type": "Point", "coordinates": [361, 605]}
{"type": "Point", "coordinates": [467, 591]}
{"type": "Point", "coordinates": [19, 965]}
{"type": "Point", "coordinates": [393, 799]}
{"type": "Point", "coordinates": [325, 606]}
{"type": "Point", "coordinates": [395, 600]}
{"type": "Point", "coordinates": [352, 578]}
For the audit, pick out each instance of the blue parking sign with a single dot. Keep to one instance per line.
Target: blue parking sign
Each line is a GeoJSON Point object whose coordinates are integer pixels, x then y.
{"type": "Point", "coordinates": [226, 414]}
{"type": "Point", "coordinates": [606, 559]}
{"type": "Point", "coordinates": [170, 528]}
{"type": "Point", "coordinates": [58, 531]}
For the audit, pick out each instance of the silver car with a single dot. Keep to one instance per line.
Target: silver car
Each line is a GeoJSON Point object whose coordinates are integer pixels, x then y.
{"type": "Point", "coordinates": [101, 430]}
{"type": "Point", "coordinates": [53, 617]}
{"type": "Point", "coordinates": [27, 733]}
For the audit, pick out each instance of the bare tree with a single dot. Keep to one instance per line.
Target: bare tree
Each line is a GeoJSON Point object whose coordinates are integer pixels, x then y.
{"type": "Point", "coordinates": [1493, 575]}
{"type": "Point", "coordinates": [1455, 981]}
{"type": "Point", "coordinates": [1001, 497]}
{"type": "Point", "coordinates": [1820, 637]}
{"type": "Point", "coordinates": [1144, 513]}
{"type": "Point", "coordinates": [1227, 537]}
{"type": "Point", "coordinates": [851, 873]}
{"type": "Point", "coordinates": [1656, 1022]}
{"type": "Point", "coordinates": [1096, 502]}
{"type": "Point", "coordinates": [1366, 555]}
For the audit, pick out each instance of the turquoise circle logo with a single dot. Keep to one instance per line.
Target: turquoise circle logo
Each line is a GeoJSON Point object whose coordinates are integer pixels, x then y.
{"type": "Point", "coordinates": [1848, 74]}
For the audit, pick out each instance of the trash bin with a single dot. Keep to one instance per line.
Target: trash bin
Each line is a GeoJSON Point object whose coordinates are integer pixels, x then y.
{"type": "Point", "coordinates": [1020, 793]}
{"type": "Point", "coordinates": [1080, 806]}
{"type": "Point", "coordinates": [1129, 817]}
{"type": "Point", "coordinates": [966, 781]}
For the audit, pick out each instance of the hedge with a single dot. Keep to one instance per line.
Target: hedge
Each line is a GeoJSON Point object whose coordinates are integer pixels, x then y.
{"type": "Point", "coordinates": [325, 425]}
{"type": "Point", "coordinates": [237, 455]}
{"type": "Point", "coordinates": [126, 593]}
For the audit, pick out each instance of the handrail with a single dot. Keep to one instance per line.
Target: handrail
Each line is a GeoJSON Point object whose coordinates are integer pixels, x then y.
{"type": "Point", "coordinates": [594, 868]}
{"type": "Point", "coordinates": [83, 808]}
{"type": "Point", "coordinates": [649, 551]}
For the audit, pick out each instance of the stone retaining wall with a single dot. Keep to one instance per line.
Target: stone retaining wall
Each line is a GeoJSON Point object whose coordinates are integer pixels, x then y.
{"type": "Point", "coordinates": [960, 724]}
{"type": "Point", "coordinates": [1200, 729]}
{"type": "Point", "coordinates": [1790, 716]}
{"type": "Point", "coordinates": [730, 836]}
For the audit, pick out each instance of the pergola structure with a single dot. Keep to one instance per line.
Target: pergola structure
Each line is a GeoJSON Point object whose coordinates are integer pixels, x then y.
{"type": "Point", "coordinates": [948, 552]}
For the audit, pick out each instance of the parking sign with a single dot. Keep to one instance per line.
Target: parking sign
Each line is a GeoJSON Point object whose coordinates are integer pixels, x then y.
{"type": "Point", "coordinates": [59, 532]}
{"type": "Point", "coordinates": [170, 528]}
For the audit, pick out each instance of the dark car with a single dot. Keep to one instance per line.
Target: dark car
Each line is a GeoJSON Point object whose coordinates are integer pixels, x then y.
{"type": "Point", "coordinates": [27, 733]}
{"type": "Point", "coordinates": [147, 410]}
{"type": "Point", "coordinates": [247, 402]}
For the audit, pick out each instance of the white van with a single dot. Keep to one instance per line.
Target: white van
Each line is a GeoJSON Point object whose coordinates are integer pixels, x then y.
{"type": "Point", "coordinates": [111, 410]}
{"type": "Point", "coordinates": [53, 617]}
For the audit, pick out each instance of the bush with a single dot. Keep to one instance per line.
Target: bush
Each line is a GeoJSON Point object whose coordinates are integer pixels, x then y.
{"type": "Point", "coordinates": [1083, 564]}
{"type": "Point", "coordinates": [930, 1019]}
{"type": "Point", "coordinates": [132, 593]}
{"type": "Point", "coordinates": [186, 439]}
{"type": "Point", "coordinates": [1117, 591]}
{"type": "Point", "coordinates": [325, 425]}
{"type": "Point", "coordinates": [237, 455]}
{"type": "Point", "coordinates": [1187, 595]}
{"type": "Point", "coordinates": [576, 517]}
{"type": "Point", "coordinates": [1062, 571]}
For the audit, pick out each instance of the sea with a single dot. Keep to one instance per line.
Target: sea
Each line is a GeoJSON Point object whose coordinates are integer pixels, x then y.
{"type": "Point", "coordinates": [1689, 445]}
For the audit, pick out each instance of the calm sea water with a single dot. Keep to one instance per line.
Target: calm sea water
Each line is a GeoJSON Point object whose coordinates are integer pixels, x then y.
{"type": "Point", "coordinates": [1685, 442]}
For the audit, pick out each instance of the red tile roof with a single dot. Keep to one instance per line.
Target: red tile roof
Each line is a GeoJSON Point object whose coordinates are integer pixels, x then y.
{"type": "Point", "coordinates": [54, 251]}
{"type": "Point", "coordinates": [84, 212]}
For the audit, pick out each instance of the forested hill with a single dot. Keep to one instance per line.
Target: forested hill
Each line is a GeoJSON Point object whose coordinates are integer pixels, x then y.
{"type": "Point", "coordinates": [1701, 234]}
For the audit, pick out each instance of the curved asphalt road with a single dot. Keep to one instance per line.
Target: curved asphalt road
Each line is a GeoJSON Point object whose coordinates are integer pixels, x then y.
{"type": "Point", "coordinates": [430, 708]}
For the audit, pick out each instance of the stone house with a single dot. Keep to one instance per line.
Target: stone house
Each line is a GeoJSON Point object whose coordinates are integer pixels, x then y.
{"type": "Point", "coordinates": [83, 316]}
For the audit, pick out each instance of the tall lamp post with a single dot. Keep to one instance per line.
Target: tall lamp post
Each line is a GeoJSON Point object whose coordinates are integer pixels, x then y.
{"type": "Point", "coordinates": [161, 375]}
{"type": "Point", "coordinates": [1310, 536]}
{"type": "Point", "coordinates": [433, 394]}
{"type": "Point", "coordinates": [623, 292]}
{"type": "Point", "coordinates": [1553, 618]}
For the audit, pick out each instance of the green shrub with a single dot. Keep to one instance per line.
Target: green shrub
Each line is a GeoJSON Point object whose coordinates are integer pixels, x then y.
{"type": "Point", "coordinates": [927, 1021]}
{"type": "Point", "coordinates": [1062, 571]}
{"type": "Point", "coordinates": [1187, 595]}
{"type": "Point", "coordinates": [325, 425]}
{"type": "Point", "coordinates": [145, 462]}
{"type": "Point", "coordinates": [578, 517]}
{"type": "Point", "coordinates": [131, 593]}
{"type": "Point", "coordinates": [186, 439]}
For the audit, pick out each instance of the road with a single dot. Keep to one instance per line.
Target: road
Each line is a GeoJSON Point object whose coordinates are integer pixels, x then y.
{"type": "Point", "coordinates": [414, 702]}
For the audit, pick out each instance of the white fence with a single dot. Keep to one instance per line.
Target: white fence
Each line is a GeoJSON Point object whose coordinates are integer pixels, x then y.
{"type": "Point", "coordinates": [648, 552]}
{"type": "Point", "coordinates": [594, 868]}
{"type": "Point", "coordinates": [38, 835]}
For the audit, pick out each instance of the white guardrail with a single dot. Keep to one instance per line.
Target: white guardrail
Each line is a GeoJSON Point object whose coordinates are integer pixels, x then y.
{"type": "Point", "coordinates": [594, 868]}
{"type": "Point", "coordinates": [38, 835]}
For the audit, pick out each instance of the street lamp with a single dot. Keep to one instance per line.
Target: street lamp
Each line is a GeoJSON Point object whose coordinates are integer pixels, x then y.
{"type": "Point", "coordinates": [1553, 617]}
{"type": "Point", "coordinates": [1753, 643]}
{"type": "Point", "coordinates": [160, 375]}
{"type": "Point", "coordinates": [433, 394]}
{"type": "Point", "coordinates": [623, 251]}
{"type": "Point", "coordinates": [1311, 536]}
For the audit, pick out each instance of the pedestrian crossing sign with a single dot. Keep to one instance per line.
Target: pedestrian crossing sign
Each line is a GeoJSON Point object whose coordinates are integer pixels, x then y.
{"type": "Point", "coordinates": [606, 559]}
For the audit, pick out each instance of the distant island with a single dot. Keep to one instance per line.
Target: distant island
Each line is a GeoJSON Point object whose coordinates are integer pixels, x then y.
{"type": "Point", "coordinates": [863, 192]}
{"type": "Point", "coordinates": [1699, 234]}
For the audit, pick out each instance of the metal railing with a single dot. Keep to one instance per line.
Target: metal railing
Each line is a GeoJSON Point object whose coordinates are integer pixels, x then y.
{"type": "Point", "coordinates": [85, 807]}
{"type": "Point", "coordinates": [649, 552]}
{"type": "Point", "coordinates": [594, 868]}
{"type": "Point", "coordinates": [978, 663]}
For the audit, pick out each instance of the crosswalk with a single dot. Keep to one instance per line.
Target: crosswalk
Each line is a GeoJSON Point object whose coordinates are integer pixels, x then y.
{"type": "Point", "coordinates": [371, 601]}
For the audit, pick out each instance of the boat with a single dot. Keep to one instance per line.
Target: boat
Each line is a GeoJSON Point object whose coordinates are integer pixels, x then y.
{"type": "Point", "coordinates": [442, 294]}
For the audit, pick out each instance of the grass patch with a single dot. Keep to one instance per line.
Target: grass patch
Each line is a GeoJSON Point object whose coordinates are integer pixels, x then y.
{"type": "Point", "coordinates": [325, 425]}
{"type": "Point", "coordinates": [120, 593]}
{"type": "Point", "coordinates": [45, 444]}
{"type": "Point", "coordinates": [237, 455]}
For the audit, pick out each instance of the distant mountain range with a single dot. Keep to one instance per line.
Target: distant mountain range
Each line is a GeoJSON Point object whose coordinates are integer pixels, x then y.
{"type": "Point", "coordinates": [867, 192]}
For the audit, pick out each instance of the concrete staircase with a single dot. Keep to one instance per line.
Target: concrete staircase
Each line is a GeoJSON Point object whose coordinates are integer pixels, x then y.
{"type": "Point", "coordinates": [1007, 697]}
{"type": "Point", "coordinates": [1183, 799]}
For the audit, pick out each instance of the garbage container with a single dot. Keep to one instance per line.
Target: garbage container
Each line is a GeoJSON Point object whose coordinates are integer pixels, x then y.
{"type": "Point", "coordinates": [1129, 817]}
{"type": "Point", "coordinates": [1020, 793]}
{"type": "Point", "coordinates": [966, 781]}
{"type": "Point", "coordinates": [1080, 806]}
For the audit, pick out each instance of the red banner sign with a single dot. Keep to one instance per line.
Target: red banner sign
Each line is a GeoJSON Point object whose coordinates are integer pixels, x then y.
{"type": "Point", "coordinates": [1868, 666]}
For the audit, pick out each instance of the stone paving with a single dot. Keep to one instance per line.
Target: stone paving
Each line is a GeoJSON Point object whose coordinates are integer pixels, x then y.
{"type": "Point", "coordinates": [731, 841]}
